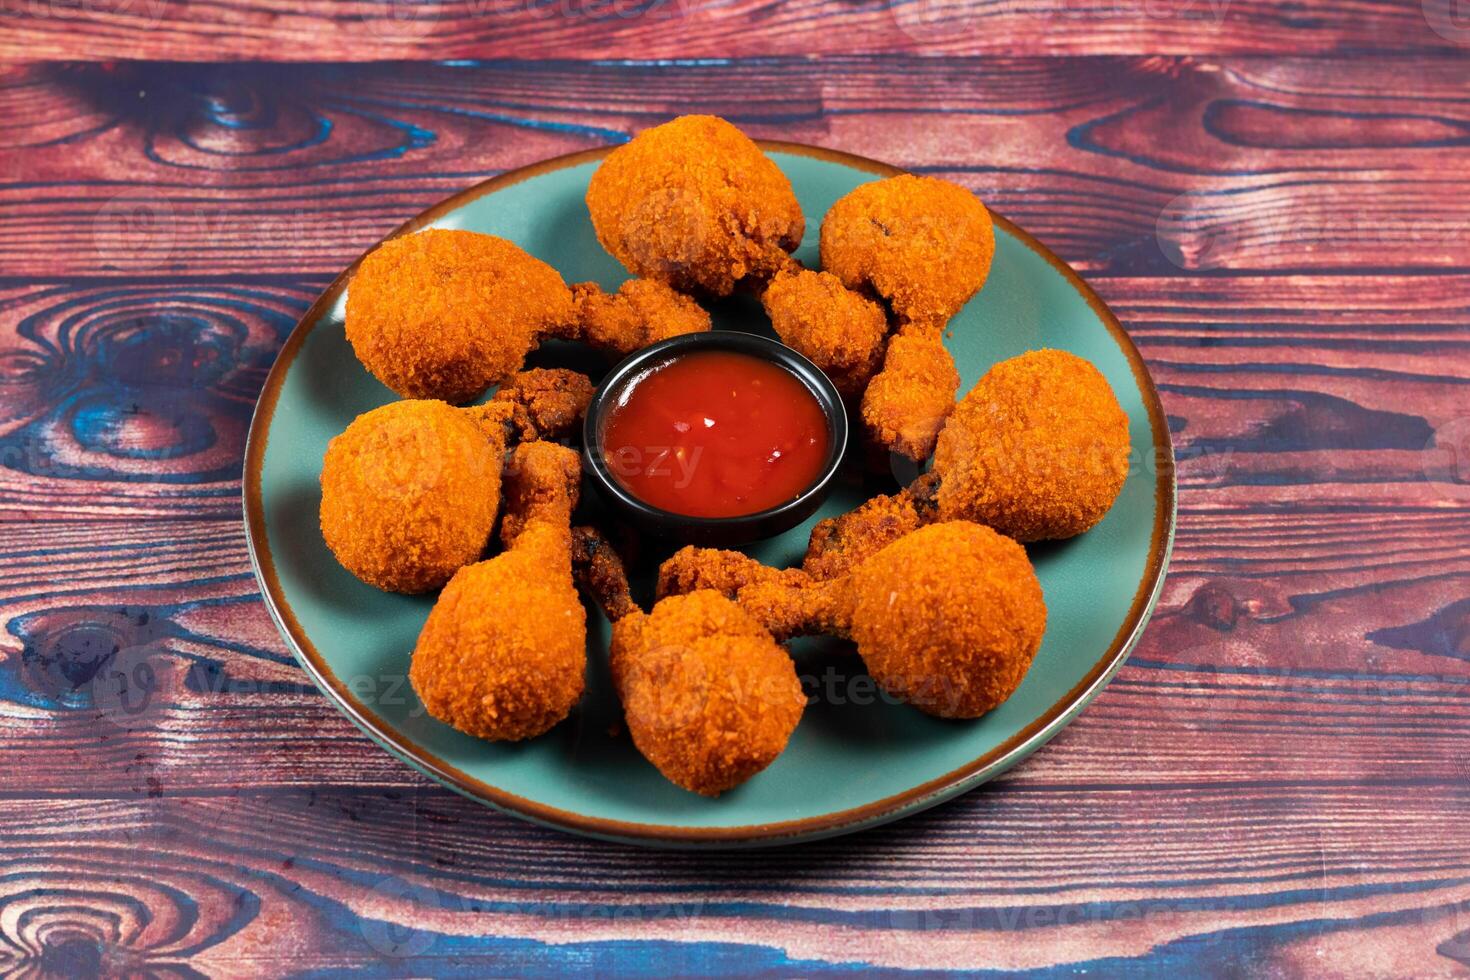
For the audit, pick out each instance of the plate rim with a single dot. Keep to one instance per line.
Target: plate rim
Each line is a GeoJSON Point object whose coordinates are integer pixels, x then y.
{"type": "Point", "coordinates": [930, 793]}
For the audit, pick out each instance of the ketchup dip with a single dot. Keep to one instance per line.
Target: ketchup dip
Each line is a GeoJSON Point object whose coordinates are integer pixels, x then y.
{"type": "Point", "coordinates": [715, 434]}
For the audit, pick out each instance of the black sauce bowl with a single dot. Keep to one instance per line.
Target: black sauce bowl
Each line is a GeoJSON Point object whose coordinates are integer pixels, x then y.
{"type": "Point", "coordinates": [717, 531]}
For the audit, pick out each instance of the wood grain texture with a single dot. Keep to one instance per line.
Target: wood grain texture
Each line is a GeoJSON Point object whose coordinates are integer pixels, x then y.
{"type": "Point", "coordinates": [1277, 783]}
{"type": "Point", "coordinates": [1125, 166]}
{"type": "Point", "coordinates": [233, 886]}
{"type": "Point", "coordinates": [365, 30]}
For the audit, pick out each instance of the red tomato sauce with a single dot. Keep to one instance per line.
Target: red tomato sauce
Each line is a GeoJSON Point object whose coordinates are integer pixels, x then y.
{"type": "Point", "coordinates": [715, 434]}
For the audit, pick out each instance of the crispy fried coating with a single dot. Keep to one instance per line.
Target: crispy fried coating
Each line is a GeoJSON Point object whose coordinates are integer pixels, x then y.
{"type": "Point", "coordinates": [696, 204]}
{"type": "Point", "coordinates": [776, 597]}
{"type": "Point", "coordinates": [726, 572]}
{"type": "Point", "coordinates": [502, 655]}
{"type": "Point", "coordinates": [445, 314]}
{"type": "Point", "coordinates": [542, 484]}
{"type": "Point", "coordinates": [839, 543]}
{"type": "Point", "coordinates": [709, 697]}
{"type": "Point", "coordinates": [545, 403]}
{"type": "Point", "coordinates": [409, 494]}
{"type": "Point", "coordinates": [948, 618]}
{"type": "Point", "coordinates": [1038, 449]}
{"type": "Point", "coordinates": [922, 244]}
{"type": "Point", "coordinates": [641, 312]}
{"type": "Point", "coordinates": [907, 402]}
{"type": "Point", "coordinates": [837, 329]}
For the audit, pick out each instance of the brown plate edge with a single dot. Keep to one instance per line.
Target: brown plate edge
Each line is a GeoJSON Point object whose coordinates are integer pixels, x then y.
{"type": "Point", "coordinates": [920, 797]}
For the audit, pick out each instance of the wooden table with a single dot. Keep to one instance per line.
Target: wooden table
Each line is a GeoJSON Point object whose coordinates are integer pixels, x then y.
{"type": "Point", "coordinates": [1273, 196]}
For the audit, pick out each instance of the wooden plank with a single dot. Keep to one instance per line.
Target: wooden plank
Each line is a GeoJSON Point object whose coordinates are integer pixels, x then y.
{"type": "Point", "coordinates": [364, 30]}
{"type": "Point", "coordinates": [1128, 167]}
{"type": "Point", "coordinates": [1197, 880]}
{"type": "Point", "coordinates": [133, 399]}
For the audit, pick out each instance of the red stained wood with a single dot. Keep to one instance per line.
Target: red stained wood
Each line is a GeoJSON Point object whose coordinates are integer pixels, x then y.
{"type": "Point", "coordinates": [1138, 166]}
{"type": "Point", "coordinates": [673, 29]}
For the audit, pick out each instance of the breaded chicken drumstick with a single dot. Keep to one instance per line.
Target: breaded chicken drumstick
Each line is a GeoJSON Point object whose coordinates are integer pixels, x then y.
{"type": "Point", "coordinates": [695, 203]}
{"type": "Point", "coordinates": [900, 256]}
{"type": "Point", "coordinates": [1038, 449]}
{"type": "Point", "coordinates": [410, 490]}
{"type": "Point", "coordinates": [947, 618]}
{"type": "Point", "coordinates": [708, 695]}
{"type": "Point", "coordinates": [502, 655]}
{"type": "Point", "coordinates": [446, 314]}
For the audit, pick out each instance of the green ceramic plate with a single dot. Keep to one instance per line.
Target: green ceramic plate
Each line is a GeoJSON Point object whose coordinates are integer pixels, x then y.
{"type": "Point", "coordinates": [857, 760]}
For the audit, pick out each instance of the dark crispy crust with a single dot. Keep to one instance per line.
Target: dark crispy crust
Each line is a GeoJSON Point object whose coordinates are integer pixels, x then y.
{"type": "Point", "coordinates": [839, 543]}
{"type": "Point", "coordinates": [545, 403]}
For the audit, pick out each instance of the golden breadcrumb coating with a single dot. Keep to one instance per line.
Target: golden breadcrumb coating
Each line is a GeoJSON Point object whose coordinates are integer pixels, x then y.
{"type": "Point", "coordinates": [445, 314]}
{"type": "Point", "coordinates": [948, 618]}
{"type": "Point", "coordinates": [641, 312]}
{"type": "Point", "coordinates": [696, 204]}
{"type": "Point", "coordinates": [1038, 449]}
{"type": "Point", "coordinates": [409, 494]}
{"type": "Point", "coordinates": [709, 697]}
{"type": "Point", "coordinates": [502, 655]}
{"type": "Point", "coordinates": [837, 329]}
{"type": "Point", "coordinates": [922, 244]}
{"type": "Point", "coordinates": [907, 402]}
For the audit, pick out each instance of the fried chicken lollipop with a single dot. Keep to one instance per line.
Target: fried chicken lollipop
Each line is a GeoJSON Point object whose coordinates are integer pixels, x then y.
{"type": "Point", "coordinates": [947, 618]}
{"type": "Point", "coordinates": [1038, 449]}
{"type": "Point", "coordinates": [502, 655]}
{"type": "Point", "coordinates": [410, 490]}
{"type": "Point", "coordinates": [695, 203]}
{"type": "Point", "coordinates": [921, 244]}
{"type": "Point", "coordinates": [445, 314]}
{"type": "Point", "coordinates": [708, 695]}
{"type": "Point", "coordinates": [924, 247]}
{"type": "Point", "coordinates": [838, 329]}
{"type": "Point", "coordinates": [921, 247]}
